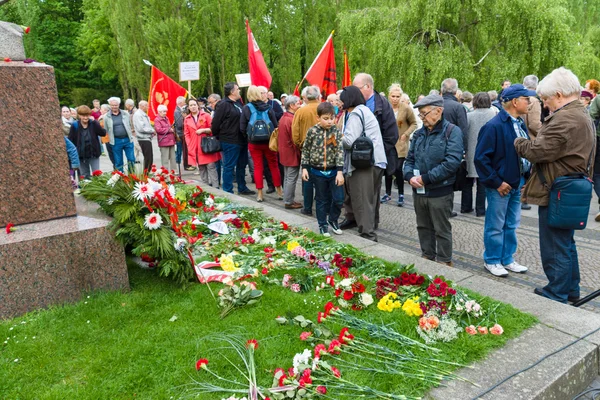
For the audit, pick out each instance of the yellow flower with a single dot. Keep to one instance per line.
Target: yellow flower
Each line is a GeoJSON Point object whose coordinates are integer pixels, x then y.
{"type": "Point", "coordinates": [227, 263]}
{"type": "Point", "coordinates": [411, 307]}
{"type": "Point", "coordinates": [387, 303]}
{"type": "Point", "coordinates": [292, 245]}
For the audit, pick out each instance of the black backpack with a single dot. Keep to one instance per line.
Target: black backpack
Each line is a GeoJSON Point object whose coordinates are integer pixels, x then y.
{"type": "Point", "coordinates": [362, 152]}
{"type": "Point", "coordinates": [260, 126]}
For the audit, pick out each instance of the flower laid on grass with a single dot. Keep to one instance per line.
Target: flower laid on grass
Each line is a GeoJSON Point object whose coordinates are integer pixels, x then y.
{"type": "Point", "coordinates": [201, 363]}
{"type": "Point", "coordinates": [412, 307]}
{"type": "Point", "coordinates": [232, 297]}
{"type": "Point", "coordinates": [351, 292]}
{"type": "Point", "coordinates": [389, 303]}
{"type": "Point", "coordinates": [97, 173]}
{"type": "Point", "coordinates": [432, 328]}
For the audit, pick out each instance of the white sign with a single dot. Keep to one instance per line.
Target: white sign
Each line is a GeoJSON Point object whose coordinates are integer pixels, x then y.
{"type": "Point", "coordinates": [189, 71]}
{"type": "Point", "coordinates": [243, 80]}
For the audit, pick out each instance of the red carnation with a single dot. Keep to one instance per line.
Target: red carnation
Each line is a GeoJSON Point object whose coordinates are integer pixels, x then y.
{"type": "Point", "coordinates": [345, 335]}
{"type": "Point", "coordinates": [338, 291]}
{"type": "Point", "coordinates": [334, 347]}
{"type": "Point", "coordinates": [201, 363]}
{"type": "Point", "coordinates": [336, 372]}
{"type": "Point", "coordinates": [330, 307]}
{"type": "Point", "coordinates": [252, 343]}
{"type": "Point", "coordinates": [348, 295]}
{"type": "Point", "coordinates": [358, 287]}
{"type": "Point", "coordinates": [10, 228]}
{"type": "Point", "coordinates": [284, 225]}
{"type": "Point", "coordinates": [321, 317]}
{"type": "Point", "coordinates": [265, 271]}
{"type": "Point", "coordinates": [320, 349]}
{"type": "Point", "coordinates": [97, 173]}
{"type": "Point", "coordinates": [321, 390]}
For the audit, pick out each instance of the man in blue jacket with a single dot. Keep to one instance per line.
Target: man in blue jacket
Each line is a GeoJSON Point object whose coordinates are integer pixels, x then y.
{"type": "Point", "coordinates": [501, 171]}
{"type": "Point", "coordinates": [431, 164]}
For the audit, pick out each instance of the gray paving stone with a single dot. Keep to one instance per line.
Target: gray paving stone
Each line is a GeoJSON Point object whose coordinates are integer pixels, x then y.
{"type": "Point", "coordinates": [558, 377]}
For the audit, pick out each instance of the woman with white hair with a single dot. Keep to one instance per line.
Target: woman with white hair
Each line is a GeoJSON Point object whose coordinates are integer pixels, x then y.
{"type": "Point", "coordinates": [165, 135]}
{"type": "Point", "coordinates": [564, 145]}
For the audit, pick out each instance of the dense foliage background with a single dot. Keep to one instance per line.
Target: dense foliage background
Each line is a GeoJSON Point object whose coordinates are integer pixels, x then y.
{"type": "Point", "coordinates": [97, 46]}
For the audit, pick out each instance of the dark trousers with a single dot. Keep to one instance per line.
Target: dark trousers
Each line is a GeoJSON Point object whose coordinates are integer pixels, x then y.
{"type": "Point", "coordinates": [109, 150]}
{"type": "Point", "coordinates": [308, 193]}
{"type": "Point", "coordinates": [235, 157]}
{"type": "Point", "coordinates": [434, 227]}
{"type": "Point", "coordinates": [389, 179]}
{"type": "Point", "coordinates": [146, 146]}
{"type": "Point", "coordinates": [559, 259]}
{"type": "Point", "coordinates": [329, 198]}
{"type": "Point", "coordinates": [466, 202]}
{"type": "Point", "coordinates": [596, 176]}
{"type": "Point", "coordinates": [362, 189]}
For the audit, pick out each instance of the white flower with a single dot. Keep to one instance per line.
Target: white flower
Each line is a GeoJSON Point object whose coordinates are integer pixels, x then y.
{"type": "Point", "coordinates": [220, 206]}
{"type": "Point", "coordinates": [153, 221]}
{"type": "Point", "coordinates": [154, 186]}
{"type": "Point", "coordinates": [343, 303]}
{"type": "Point", "coordinates": [172, 190]}
{"type": "Point", "coordinates": [256, 236]}
{"type": "Point", "coordinates": [270, 240]}
{"type": "Point", "coordinates": [142, 191]}
{"type": "Point", "coordinates": [366, 299]}
{"type": "Point", "coordinates": [209, 201]}
{"type": "Point", "coordinates": [180, 244]}
{"type": "Point", "coordinates": [346, 282]}
{"type": "Point", "coordinates": [301, 358]}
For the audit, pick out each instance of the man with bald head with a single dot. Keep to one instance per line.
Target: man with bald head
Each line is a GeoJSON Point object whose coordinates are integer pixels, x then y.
{"type": "Point", "coordinates": [384, 113]}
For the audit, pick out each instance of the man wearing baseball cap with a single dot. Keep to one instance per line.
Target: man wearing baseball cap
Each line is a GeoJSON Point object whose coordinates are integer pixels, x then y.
{"type": "Point", "coordinates": [501, 171]}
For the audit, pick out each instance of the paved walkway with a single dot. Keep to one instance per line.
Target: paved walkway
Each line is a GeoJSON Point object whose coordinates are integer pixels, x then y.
{"type": "Point", "coordinates": [397, 229]}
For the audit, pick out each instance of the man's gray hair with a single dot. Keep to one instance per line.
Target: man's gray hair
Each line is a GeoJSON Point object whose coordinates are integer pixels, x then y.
{"type": "Point", "coordinates": [140, 104]}
{"type": "Point", "coordinates": [311, 92]}
{"type": "Point", "coordinates": [113, 99]}
{"type": "Point", "coordinates": [561, 80]}
{"type": "Point", "coordinates": [434, 91]}
{"type": "Point", "coordinates": [215, 96]}
{"type": "Point", "coordinates": [365, 78]}
{"type": "Point", "coordinates": [180, 99]}
{"type": "Point", "coordinates": [105, 107]}
{"type": "Point", "coordinates": [449, 85]}
{"type": "Point", "coordinates": [531, 82]}
{"type": "Point", "coordinates": [289, 101]}
{"type": "Point", "coordinates": [493, 95]}
{"type": "Point", "coordinates": [130, 102]}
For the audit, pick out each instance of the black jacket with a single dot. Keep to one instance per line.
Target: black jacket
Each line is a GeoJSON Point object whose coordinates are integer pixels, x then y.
{"type": "Point", "coordinates": [226, 122]}
{"type": "Point", "coordinates": [456, 114]}
{"type": "Point", "coordinates": [389, 131]}
{"type": "Point", "coordinates": [277, 108]}
{"type": "Point", "coordinates": [178, 117]}
{"type": "Point", "coordinates": [246, 114]}
{"type": "Point", "coordinates": [95, 131]}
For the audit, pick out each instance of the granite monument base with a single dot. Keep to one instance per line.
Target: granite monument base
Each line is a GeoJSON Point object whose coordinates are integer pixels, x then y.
{"type": "Point", "coordinates": [55, 262]}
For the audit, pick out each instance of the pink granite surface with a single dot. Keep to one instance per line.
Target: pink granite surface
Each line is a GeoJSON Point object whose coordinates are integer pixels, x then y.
{"type": "Point", "coordinates": [35, 178]}
{"type": "Point", "coordinates": [53, 262]}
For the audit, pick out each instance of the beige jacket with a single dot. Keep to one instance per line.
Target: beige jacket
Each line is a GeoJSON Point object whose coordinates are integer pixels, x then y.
{"type": "Point", "coordinates": [533, 118]}
{"type": "Point", "coordinates": [562, 146]}
{"type": "Point", "coordinates": [407, 124]}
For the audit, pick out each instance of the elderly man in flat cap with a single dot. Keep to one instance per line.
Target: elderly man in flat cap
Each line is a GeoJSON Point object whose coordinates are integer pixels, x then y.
{"type": "Point", "coordinates": [431, 165]}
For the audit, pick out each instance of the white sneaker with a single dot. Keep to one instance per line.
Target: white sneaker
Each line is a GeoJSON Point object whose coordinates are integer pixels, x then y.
{"type": "Point", "coordinates": [496, 269]}
{"type": "Point", "coordinates": [516, 267]}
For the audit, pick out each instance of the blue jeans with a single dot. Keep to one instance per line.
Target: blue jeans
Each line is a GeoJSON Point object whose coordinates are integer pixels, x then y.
{"type": "Point", "coordinates": [559, 260]}
{"type": "Point", "coordinates": [308, 192]}
{"type": "Point", "coordinates": [502, 219]}
{"type": "Point", "coordinates": [235, 156]}
{"type": "Point", "coordinates": [123, 144]}
{"type": "Point", "coordinates": [179, 150]}
{"type": "Point", "coordinates": [329, 199]}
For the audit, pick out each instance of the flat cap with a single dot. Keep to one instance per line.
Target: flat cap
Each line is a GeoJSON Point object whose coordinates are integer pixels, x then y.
{"type": "Point", "coordinates": [434, 100]}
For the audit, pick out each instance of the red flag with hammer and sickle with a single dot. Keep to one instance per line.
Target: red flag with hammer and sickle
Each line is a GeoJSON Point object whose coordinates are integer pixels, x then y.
{"type": "Point", "coordinates": [322, 72]}
{"type": "Point", "coordinates": [163, 90]}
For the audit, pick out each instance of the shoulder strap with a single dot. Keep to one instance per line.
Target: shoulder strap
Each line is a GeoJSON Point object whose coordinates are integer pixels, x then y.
{"type": "Point", "coordinates": [448, 130]}
{"type": "Point", "coordinates": [251, 107]}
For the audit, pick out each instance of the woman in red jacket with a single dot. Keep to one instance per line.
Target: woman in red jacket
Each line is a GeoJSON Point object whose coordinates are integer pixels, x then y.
{"type": "Point", "coordinates": [195, 126]}
{"type": "Point", "coordinates": [166, 138]}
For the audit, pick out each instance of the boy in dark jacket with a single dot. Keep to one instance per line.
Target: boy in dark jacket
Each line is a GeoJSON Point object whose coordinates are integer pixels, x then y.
{"type": "Point", "coordinates": [322, 161]}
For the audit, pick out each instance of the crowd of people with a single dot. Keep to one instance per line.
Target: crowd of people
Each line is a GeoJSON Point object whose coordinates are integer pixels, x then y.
{"type": "Point", "coordinates": [344, 147]}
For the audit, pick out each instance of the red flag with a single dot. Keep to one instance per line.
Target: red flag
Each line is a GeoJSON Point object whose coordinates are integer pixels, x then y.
{"type": "Point", "coordinates": [163, 90]}
{"type": "Point", "coordinates": [259, 74]}
{"type": "Point", "coordinates": [297, 90]}
{"type": "Point", "coordinates": [346, 80]}
{"type": "Point", "coordinates": [322, 71]}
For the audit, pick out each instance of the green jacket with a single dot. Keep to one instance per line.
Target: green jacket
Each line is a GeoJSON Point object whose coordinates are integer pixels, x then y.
{"type": "Point", "coordinates": [323, 149]}
{"type": "Point", "coordinates": [595, 112]}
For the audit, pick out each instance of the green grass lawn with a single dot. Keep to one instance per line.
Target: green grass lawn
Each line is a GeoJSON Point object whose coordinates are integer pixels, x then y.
{"type": "Point", "coordinates": [124, 346]}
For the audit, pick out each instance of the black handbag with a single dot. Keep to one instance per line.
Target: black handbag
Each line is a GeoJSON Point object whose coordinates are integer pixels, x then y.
{"type": "Point", "coordinates": [210, 145]}
{"type": "Point", "coordinates": [461, 177]}
{"type": "Point", "coordinates": [362, 152]}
